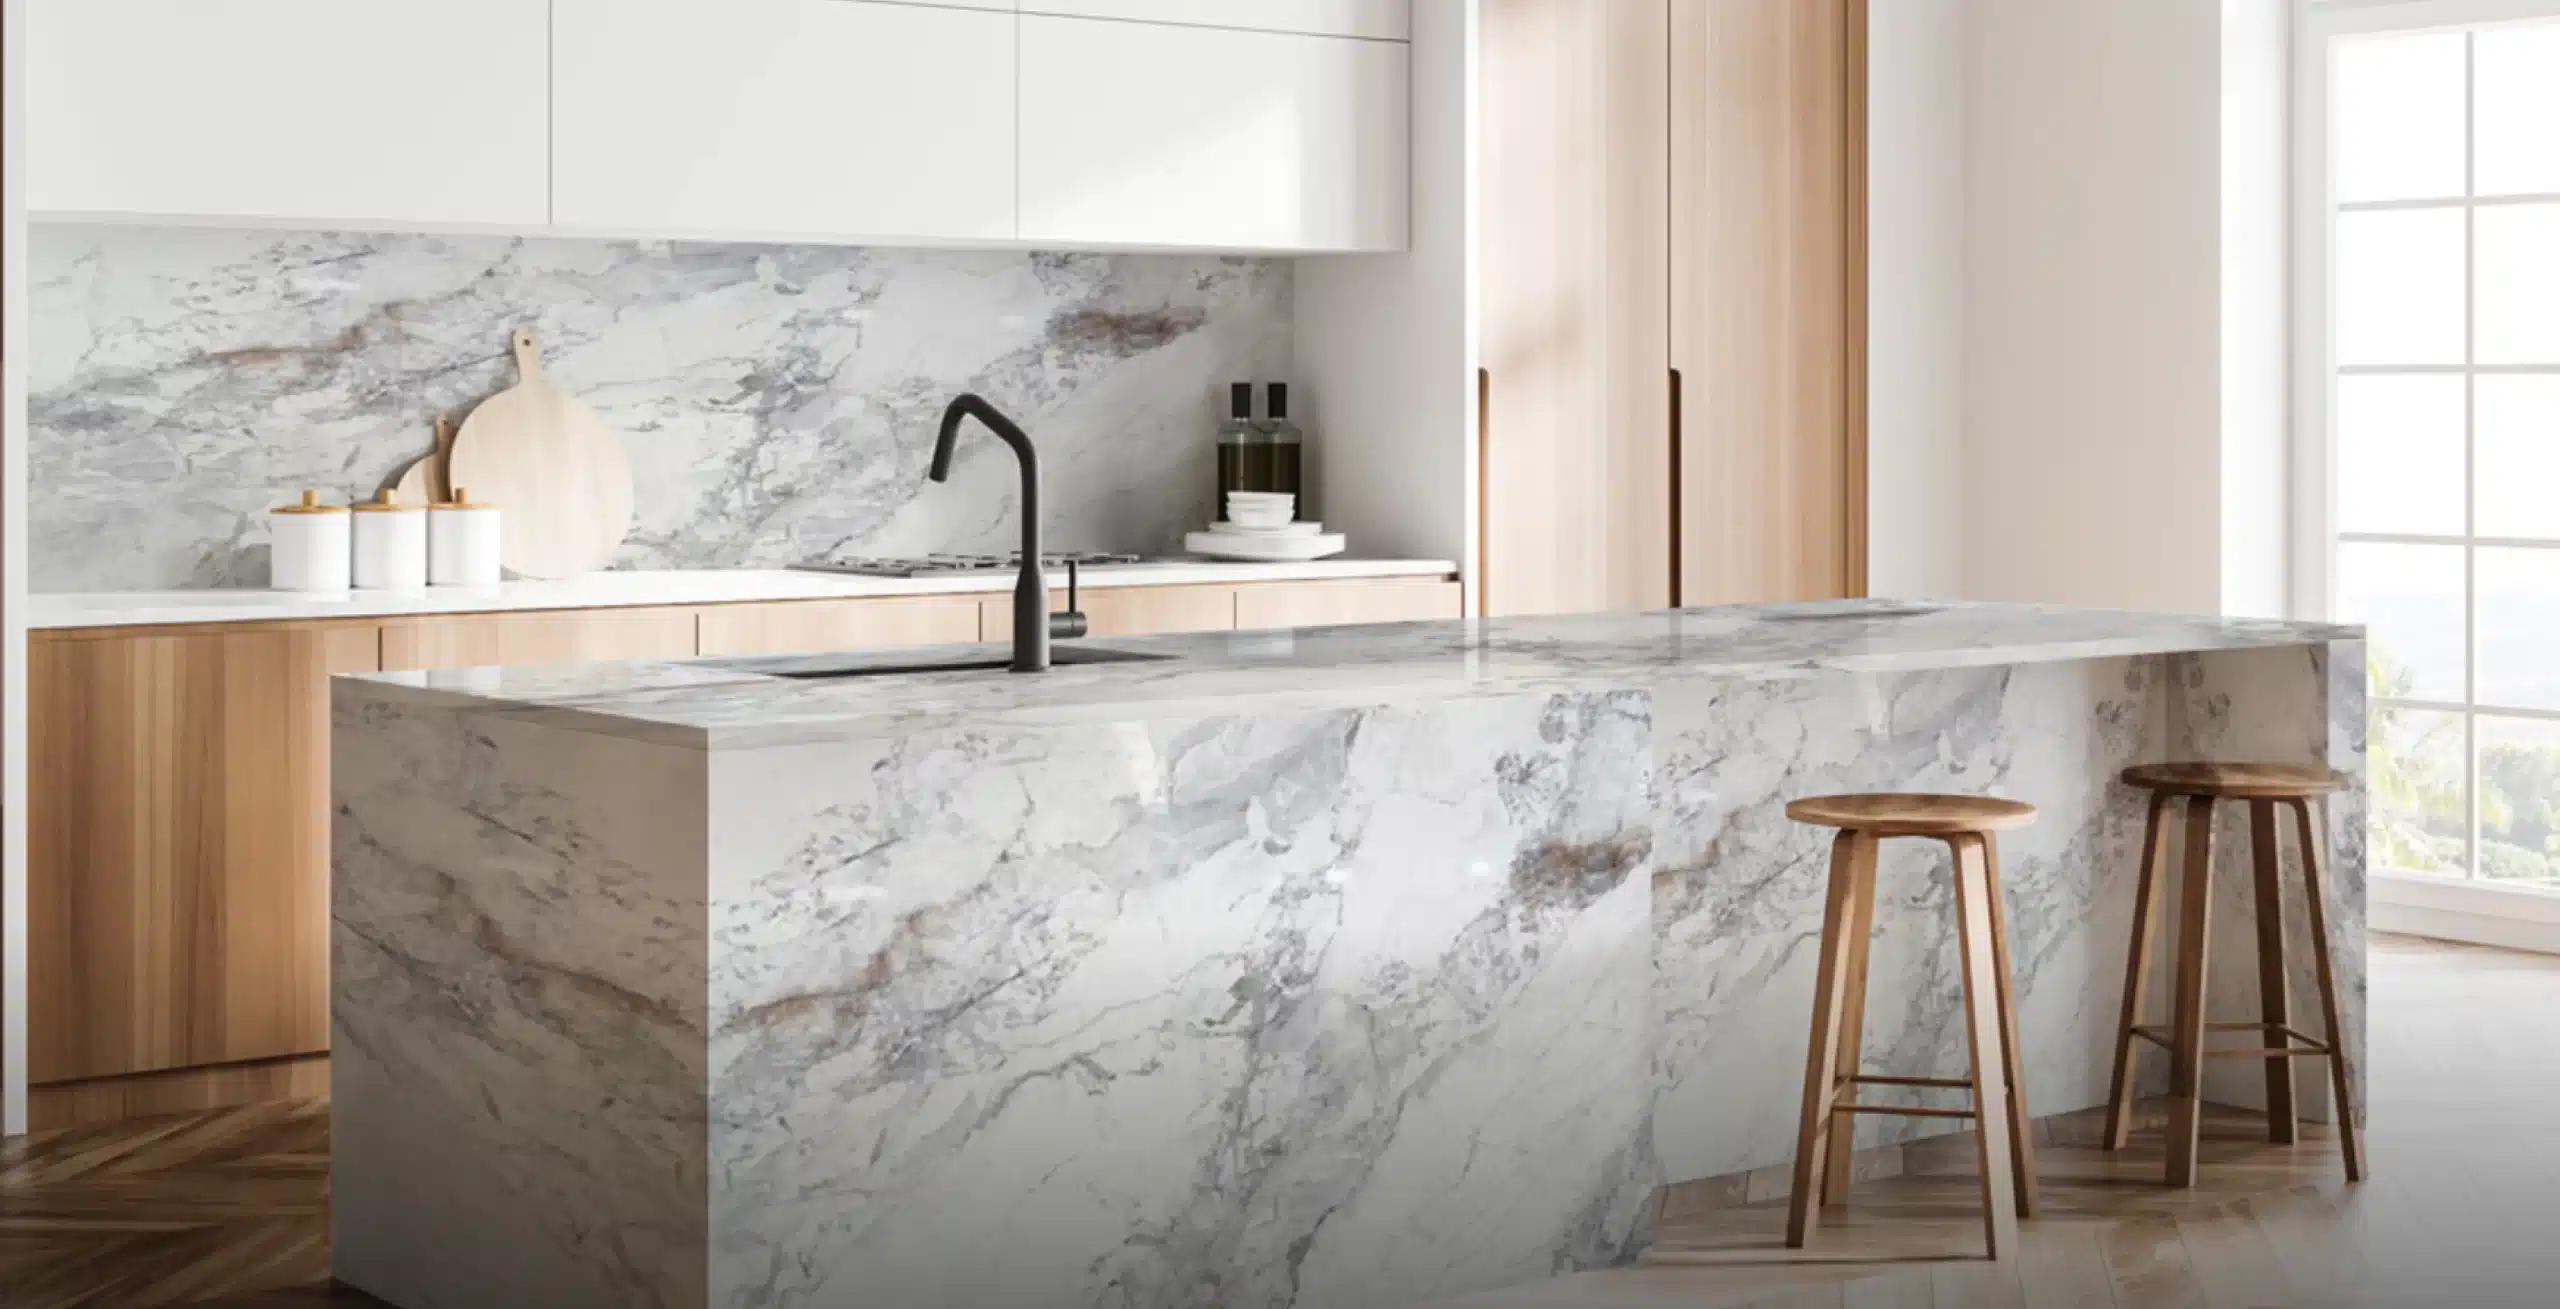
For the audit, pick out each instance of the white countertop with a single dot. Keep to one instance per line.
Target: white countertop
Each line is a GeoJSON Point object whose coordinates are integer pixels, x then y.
{"type": "Point", "coordinates": [637, 589]}
{"type": "Point", "coordinates": [766, 699]}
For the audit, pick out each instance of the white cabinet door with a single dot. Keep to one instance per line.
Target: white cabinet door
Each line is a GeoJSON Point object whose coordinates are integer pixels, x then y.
{"type": "Point", "coordinates": [821, 119]}
{"type": "Point", "coordinates": [356, 111]}
{"type": "Point", "coordinates": [1383, 20]}
{"type": "Point", "coordinates": [1137, 134]}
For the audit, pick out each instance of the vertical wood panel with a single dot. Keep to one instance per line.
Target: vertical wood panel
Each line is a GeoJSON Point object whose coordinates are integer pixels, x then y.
{"type": "Point", "coordinates": [1767, 294]}
{"type": "Point", "coordinates": [178, 850]}
{"type": "Point", "coordinates": [1574, 221]}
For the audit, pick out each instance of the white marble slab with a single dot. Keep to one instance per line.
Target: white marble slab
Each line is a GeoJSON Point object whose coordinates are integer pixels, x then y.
{"type": "Point", "coordinates": [778, 402]}
{"type": "Point", "coordinates": [1355, 969]}
{"type": "Point", "coordinates": [728, 702]}
{"type": "Point", "coordinates": [640, 588]}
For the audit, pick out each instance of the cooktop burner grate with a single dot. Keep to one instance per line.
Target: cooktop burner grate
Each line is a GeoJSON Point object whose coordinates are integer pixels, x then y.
{"type": "Point", "coordinates": [938, 564]}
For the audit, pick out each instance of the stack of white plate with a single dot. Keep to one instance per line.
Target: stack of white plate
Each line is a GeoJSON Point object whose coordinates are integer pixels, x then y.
{"type": "Point", "coordinates": [1261, 527]}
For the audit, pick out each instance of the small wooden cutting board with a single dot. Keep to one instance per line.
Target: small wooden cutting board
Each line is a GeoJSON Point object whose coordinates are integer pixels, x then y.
{"type": "Point", "coordinates": [556, 472]}
{"type": "Point", "coordinates": [425, 483]}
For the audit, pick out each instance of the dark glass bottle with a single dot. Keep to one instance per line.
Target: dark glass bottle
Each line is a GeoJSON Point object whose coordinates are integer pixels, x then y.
{"type": "Point", "coordinates": [1284, 448]}
{"type": "Point", "coordinates": [1238, 440]}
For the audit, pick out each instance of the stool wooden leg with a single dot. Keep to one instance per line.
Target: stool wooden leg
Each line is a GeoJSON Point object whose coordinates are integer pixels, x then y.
{"type": "Point", "coordinates": [1983, 1033]}
{"type": "Point", "coordinates": [2137, 968]}
{"type": "Point", "coordinates": [1840, 1156]}
{"type": "Point", "coordinates": [1850, 852]}
{"type": "Point", "coordinates": [2275, 985]}
{"type": "Point", "coordinates": [2186, 1077]}
{"type": "Point", "coordinates": [2341, 1073]}
{"type": "Point", "coordinates": [2022, 1141]}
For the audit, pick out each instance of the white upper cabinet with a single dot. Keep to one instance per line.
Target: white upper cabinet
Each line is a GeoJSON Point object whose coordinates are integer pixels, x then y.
{"type": "Point", "coordinates": [783, 119]}
{"type": "Point", "coordinates": [1150, 135]}
{"type": "Point", "coordinates": [355, 111]}
{"type": "Point", "coordinates": [1383, 20]}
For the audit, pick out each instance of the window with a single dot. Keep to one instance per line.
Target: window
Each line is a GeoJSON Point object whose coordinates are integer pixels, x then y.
{"type": "Point", "coordinates": [2443, 370]}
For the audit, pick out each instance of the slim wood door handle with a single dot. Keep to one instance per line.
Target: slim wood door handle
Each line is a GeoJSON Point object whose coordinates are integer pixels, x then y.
{"type": "Point", "coordinates": [1484, 492]}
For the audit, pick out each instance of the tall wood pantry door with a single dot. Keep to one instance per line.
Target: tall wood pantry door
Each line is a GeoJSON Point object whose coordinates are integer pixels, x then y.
{"type": "Point", "coordinates": [1671, 301]}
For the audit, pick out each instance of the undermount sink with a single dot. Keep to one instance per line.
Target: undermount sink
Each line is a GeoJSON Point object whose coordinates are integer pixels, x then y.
{"type": "Point", "coordinates": [810, 668]}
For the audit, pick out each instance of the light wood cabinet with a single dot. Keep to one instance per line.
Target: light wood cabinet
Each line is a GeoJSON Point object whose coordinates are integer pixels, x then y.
{"type": "Point", "coordinates": [1768, 278]}
{"type": "Point", "coordinates": [178, 844]}
{"type": "Point", "coordinates": [178, 853]}
{"type": "Point", "coordinates": [290, 110]}
{"type": "Point", "coordinates": [557, 637]}
{"type": "Point", "coordinates": [805, 118]}
{"type": "Point", "coordinates": [1577, 463]}
{"type": "Point", "coordinates": [1131, 611]}
{"type": "Point", "coordinates": [1147, 134]}
{"type": "Point", "coordinates": [1325, 604]}
{"type": "Point", "coordinates": [816, 626]}
{"type": "Point", "coordinates": [1671, 316]}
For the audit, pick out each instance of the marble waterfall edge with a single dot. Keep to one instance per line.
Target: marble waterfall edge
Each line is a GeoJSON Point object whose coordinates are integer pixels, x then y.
{"type": "Point", "coordinates": [1322, 970]}
{"type": "Point", "coordinates": [1323, 1009]}
{"type": "Point", "coordinates": [778, 402]}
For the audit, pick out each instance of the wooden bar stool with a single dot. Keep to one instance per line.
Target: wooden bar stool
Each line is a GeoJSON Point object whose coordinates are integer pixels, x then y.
{"type": "Point", "coordinates": [1999, 1107]}
{"type": "Point", "coordinates": [2265, 787]}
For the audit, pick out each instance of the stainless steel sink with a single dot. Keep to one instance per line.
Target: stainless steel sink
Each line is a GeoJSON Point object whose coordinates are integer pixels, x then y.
{"type": "Point", "coordinates": [821, 667]}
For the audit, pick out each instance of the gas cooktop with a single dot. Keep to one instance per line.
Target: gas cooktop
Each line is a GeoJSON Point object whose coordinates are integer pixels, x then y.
{"type": "Point", "coordinates": [948, 564]}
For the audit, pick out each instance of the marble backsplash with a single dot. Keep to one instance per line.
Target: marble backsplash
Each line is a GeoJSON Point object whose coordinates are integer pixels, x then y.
{"type": "Point", "coordinates": [777, 402]}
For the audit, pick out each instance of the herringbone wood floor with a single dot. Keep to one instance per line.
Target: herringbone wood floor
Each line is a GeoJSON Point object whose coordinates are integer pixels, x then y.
{"type": "Point", "coordinates": [230, 1208]}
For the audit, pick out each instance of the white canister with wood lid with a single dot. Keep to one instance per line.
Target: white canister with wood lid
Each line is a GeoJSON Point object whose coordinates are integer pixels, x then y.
{"type": "Point", "coordinates": [462, 542]}
{"type": "Point", "coordinates": [307, 546]}
{"type": "Point", "coordinates": [391, 544]}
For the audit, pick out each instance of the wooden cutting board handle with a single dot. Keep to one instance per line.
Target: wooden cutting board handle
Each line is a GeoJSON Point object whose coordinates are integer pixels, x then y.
{"type": "Point", "coordinates": [528, 356]}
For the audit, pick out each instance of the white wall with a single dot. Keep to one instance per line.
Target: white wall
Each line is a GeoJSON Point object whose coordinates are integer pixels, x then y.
{"type": "Point", "coordinates": [2257, 39]}
{"type": "Point", "coordinates": [2092, 363]}
{"type": "Point", "coordinates": [1385, 343]}
{"type": "Point", "coordinates": [1915, 297]}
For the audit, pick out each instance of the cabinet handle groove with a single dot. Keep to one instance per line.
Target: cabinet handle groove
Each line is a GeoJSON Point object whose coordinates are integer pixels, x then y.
{"type": "Point", "coordinates": [1675, 488]}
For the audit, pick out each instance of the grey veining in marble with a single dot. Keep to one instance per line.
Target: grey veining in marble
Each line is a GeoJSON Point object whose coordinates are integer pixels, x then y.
{"type": "Point", "coordinates": [1340, 969]}
{"type": "Point", "coordinates": [731, 701]}
{"type": "Point", "coordinates": [777, 402]}
{"type": "Point", "coordinates": [1322, 1009]}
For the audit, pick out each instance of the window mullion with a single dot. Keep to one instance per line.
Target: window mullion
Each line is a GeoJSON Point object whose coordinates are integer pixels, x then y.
{"type": "Point", "coordinates": [2470, 464]}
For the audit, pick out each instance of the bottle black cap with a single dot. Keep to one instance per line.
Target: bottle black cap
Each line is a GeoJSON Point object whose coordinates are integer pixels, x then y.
{"type": "Point", "coordinates": [1279, 400]}
{"type": "Point", "coordinates": [1240, 400]}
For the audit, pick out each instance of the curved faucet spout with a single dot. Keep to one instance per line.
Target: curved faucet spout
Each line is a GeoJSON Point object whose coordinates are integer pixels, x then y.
{"type": "Point", "coordinates": [1031, 590]}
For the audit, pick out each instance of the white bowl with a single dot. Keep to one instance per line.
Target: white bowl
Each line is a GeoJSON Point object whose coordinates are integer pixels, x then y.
{"type": "Point", "coordinates": [1253, 516]}
{"type": "Point", "coordinates": [1261, 497]}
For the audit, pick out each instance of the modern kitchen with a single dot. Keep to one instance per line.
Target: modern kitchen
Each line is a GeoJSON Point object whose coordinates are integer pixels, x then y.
{"type": "Point", "coordinates": [1274, 654]}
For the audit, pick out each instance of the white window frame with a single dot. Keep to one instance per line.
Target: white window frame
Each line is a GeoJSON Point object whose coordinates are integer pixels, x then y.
{"type": "Point", "coordinates": [2496, 913]}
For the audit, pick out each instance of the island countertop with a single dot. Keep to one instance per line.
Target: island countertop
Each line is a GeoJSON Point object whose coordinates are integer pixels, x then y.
{"type": "Point", "coordinates": [742, 701]}
{"type": "Point", "coordinates": [1336, 968]}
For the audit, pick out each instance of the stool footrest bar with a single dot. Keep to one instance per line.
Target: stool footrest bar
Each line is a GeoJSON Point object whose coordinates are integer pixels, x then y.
{"type": "Point", "coordinates": [1851, 1107]}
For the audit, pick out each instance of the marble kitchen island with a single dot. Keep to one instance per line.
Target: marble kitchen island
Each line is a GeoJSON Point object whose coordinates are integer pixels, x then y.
{"type": "Point", "coordinates": [1343, 967]}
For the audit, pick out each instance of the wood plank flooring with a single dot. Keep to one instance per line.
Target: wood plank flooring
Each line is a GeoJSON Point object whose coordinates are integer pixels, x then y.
{"type": "Point", "coordinates": [229, 1208]}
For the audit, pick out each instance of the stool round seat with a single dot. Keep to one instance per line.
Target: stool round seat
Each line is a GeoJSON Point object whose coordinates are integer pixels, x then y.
{"type": "Point", "coordinates": [2235, 781]}
{"type": "Point", "coordinates": [1912, 814]}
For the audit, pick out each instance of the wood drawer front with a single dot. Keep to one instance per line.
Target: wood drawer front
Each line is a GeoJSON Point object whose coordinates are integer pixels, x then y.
{"type": "Point", "coordinates": [564, 637]}
{"type": "Point", "coordinates": [816, 626]}
{"type": "Point", "coordinates": [1321, 604]}
{"type": "Point", "coordinates": [178, 845]}
{"type": "Point", "coordinates": [1128, 611]}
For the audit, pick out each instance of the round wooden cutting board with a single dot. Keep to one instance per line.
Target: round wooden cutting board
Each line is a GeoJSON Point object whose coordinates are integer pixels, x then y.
{"type": "Point", "coordinates": [557, 474]}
